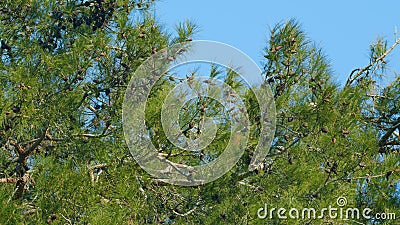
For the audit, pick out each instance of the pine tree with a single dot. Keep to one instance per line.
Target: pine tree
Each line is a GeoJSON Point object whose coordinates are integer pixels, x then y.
{"type": "Point", "coordinates": [65, 66]}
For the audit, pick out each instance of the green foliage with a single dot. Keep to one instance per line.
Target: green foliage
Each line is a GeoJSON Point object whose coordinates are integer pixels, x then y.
{"type": "Point", "coordinates": [64, 69]}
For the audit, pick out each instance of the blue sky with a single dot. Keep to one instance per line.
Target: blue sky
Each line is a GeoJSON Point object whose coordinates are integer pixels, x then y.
{"type": "Point", "coordinates": [344, 29]}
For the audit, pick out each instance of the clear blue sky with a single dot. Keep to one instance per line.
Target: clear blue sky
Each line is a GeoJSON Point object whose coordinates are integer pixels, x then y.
{"type": "Point", "coordinates": [344, 29]}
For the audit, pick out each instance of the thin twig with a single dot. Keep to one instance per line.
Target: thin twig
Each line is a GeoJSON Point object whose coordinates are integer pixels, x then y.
{"type": "Point", "coordinates": [29, 212]}
{"type": "Point", "coordinates": [36, 143]}
{"type": "Point", "coordinates": [257, 188]}
{"type": "Point", "coordinates": [186, 213]}
{"type": "Point", "coordinates": [351, 79]}
{"type": "Point", "coordinates": [91, 172]}
{"type": "Point", "coordinates": [68, 220]}
{"type": "Point", "coordinates": [386, 136]}
{"type": "Point", "coordinates": [17, 147]}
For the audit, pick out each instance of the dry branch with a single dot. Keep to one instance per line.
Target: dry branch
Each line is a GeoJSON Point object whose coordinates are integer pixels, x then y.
{"type": "Point", "coordinates": [14, 180]}
{"type": "Point", "coordinates": [91, 171]}
{"type": "Point", "coordinates": [352, 78]}
{"type": "Point", "coordinates": [186, 213]}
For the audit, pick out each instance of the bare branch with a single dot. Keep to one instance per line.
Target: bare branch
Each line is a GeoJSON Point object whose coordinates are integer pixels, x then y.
{"type": "Point", "coordinates": [29, 212]}
{"type": "Point", "coordinates": [17, 147]}
{"type": "Point", "coordinates": [397, 134]}
{"type": "Point", "coordinates": [99, 166]}
{"type": "Point", "coordinates": [389, 133]}
{"type": "Point", "coordinates": [186, 213]}
{"type": "Point", "coordinates": [378, 96]}
{"type": "Point", "coordinates": [351, 79]}
{"type": "Point", "coordinates": [36, 143]}
{"type": "Point", "coordinates": [90, 135]}
{"type": "Point", "coordinates": [66, 219]}
{"type": "Point", "coordinates": [91, 171]}
{"type": "Point", "coordinates": [257, 188]}
{"type": "Point", "coordinates": [10, 180]}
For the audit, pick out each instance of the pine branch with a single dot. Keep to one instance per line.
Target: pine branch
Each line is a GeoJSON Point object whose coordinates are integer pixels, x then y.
{"type": "Point", "coordinates": [257, 188]}
{"type": "Point", "coordinates": [36, 143]}
{"type": "Point", "coordinates": [389, 133]}
{"type": "Point", "coordinates": [9, 180]}
{"type": "Point", "coordinates": [18, 148]}
{"type": "Point", "coordinates": [186, 213]}
{"type": "Point", "coordinates": [396, 133]}
{"type": "Point", "coordinates": [91, 171]}
{"type": "Point", "coordinates": [29, 212]}
{"type": "Point", "coordinates": [351, 79]}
